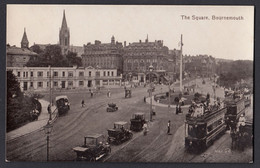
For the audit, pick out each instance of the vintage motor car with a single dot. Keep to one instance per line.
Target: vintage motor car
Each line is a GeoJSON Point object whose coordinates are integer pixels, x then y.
{"type": "Point", "coordinates": [93, 149]}
{"type": "Point", "coordinates": [119, 133]}
{"type": "Point", "coordinates": [112, 107]}
{"type": "Point", "coordinates": [137, 122]}
{"type": "Point", "coordinates": [63, 105]}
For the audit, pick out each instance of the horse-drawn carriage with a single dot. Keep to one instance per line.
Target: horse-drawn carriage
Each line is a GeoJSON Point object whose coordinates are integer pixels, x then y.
{"type": "Point", "coordinates": [243, 136]}
{"type": "Point", "coordinates": [112, 107]}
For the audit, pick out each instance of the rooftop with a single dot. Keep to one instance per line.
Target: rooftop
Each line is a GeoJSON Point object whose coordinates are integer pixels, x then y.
{"type": "Point", "coordinates": [13, 50]}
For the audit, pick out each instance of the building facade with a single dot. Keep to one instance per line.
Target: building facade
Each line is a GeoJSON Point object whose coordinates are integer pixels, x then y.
{"type": "Point", "coordinates": [103, 55]}
{"type": "Point", "coordinates": [39, 78]}
{"type": "Point", "coordinates": [139, 56]}
{"type": "Point", "coordinates": [203, 65]}
{"type": "Point", "coordinates": [18, 57]}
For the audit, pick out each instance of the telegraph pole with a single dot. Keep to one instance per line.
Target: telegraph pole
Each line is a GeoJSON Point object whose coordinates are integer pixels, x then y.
{"type": "Point", "coordinates": [181, 66]}
{"type": "Point", "coordinates": [50, 118]}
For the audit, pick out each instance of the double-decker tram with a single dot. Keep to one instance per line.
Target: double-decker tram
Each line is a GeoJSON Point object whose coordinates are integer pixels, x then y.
{"type": "Point", "coordinates": [203, 125]}
{"type": "Point", "coordinates": [235, 108]}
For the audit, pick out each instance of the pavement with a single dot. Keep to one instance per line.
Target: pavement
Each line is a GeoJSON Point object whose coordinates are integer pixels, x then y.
{"type": "Point", "coordinates": [35, 125]}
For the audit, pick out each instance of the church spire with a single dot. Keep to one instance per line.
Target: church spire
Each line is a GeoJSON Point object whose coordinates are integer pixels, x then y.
{"type": "Point", "coordinates": [146, 39]}
{"type": "Point", "coordinates": [64, 37]}
{"type": "Point", "coordinates": [24, 42]}
{"type": "Point", "coordinates": [64, 22]}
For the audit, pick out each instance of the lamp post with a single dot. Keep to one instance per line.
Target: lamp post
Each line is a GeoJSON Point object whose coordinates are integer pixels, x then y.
{"type": "Point", "coordinates": [169, 95]}
{"type": "Point", "coordinates": [49, 108]}
{"type": "Point", "coordinates": [47, 130]}
{"type": "Point", "coordinates": [151, 93]}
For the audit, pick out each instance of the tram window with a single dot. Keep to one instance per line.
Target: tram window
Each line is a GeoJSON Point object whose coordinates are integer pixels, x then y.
{"type": "Point", "coordinates": [192, 130]}
{"type": "Point", "coordinates": [209, 128]}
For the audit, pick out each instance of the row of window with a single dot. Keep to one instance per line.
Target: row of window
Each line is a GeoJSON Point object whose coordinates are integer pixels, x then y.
{"type": "Point", "coordinates": [55, 84]}
{"type": "Point", "coordinates": [70, 74]}
{"type": "Point", "coordinates": [136, 60]}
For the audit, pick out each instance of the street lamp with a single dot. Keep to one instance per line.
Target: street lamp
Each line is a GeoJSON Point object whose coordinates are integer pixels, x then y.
{"type": "Point", "coordinates": [169, 95]}
{"type": "Point", "coordinates": [151, 93]}
{"type": "Point", "coordinates": [47, 130]}
{"type": "Point", "coordinates": [49, 107]}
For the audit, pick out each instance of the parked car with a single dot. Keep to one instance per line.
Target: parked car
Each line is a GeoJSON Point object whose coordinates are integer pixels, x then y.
{"type": "Point", "coordinates": [137, 122]}
{"type": "Point", "coordinates": [119, 133]}
{"type": "Point", "coordinates": [93, 149]}
{"type": "Point", "coordinates": [112, 107]}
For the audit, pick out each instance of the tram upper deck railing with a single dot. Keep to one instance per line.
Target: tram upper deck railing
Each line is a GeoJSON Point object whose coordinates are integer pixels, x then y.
{"type": "Point", "coordinates": [207, 115]}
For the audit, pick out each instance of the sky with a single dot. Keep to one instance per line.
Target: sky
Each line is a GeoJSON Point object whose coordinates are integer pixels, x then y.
{"type": "Point", "coordinates": [228, 39]}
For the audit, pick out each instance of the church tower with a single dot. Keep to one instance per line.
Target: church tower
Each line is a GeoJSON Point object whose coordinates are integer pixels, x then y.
{"type": "Point", "coordinates": [64, 35]}
{"type": "Point", "coordinates": [24, 42]}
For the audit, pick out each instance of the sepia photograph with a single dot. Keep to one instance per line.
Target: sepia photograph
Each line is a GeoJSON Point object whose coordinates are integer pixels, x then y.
{"type": "Point", "coordinates": [129, 83]}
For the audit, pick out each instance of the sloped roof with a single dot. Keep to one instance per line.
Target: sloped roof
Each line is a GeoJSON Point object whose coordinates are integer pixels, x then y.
{"type": "Point", "coordinates": [13, 50]}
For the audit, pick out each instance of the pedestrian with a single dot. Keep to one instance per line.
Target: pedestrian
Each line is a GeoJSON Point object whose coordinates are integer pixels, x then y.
{"type": "Point", "coordinates": [144, 99]}
{"type": "Point", "coordinates": [145, 129]}
{"type": "Point", "coordinates": [82, 103]}
{"type": "Point", "coordinates": [108, 93]}
{"type": "Point", "coordinates": [169, 127]}
{"type": "Point", "coordinates": [91, 93]}
{"type": "Point", "coordinates": [177, 109]}
{"type": "Point", "coordinates": [49, 108]}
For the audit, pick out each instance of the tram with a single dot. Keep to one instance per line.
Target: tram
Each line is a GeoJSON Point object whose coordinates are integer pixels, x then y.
{"type": "Point", "coordinates": [63, 105]}
{"type": "Point", "coordinates": [203, 125]}
{"type": "Point", "coordinates": [235, 108]}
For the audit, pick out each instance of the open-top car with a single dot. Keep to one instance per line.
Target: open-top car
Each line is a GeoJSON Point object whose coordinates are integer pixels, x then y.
{"type": "Point", "coordinates": [112, 107]}
{"type": "Point", "coordinates": [119, 133]}
{"type": "Point", "coordinates": [137, 122]}
{"type": "Point", "coordinates": [93, 149]}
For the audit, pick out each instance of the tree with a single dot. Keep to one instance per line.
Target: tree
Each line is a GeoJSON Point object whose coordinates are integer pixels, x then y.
{"type": "Point", "coordinates": [36, 48]}
{"type": "Point", "coordinates": [73, 59]}
{"type": "Point", "coordinates": [13, 86]}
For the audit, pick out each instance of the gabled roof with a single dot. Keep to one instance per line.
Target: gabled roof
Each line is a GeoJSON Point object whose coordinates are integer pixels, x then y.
{"type": "Point", "coordinates": [13, 50]}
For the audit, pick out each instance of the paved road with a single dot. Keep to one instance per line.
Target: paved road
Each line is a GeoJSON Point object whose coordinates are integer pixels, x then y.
{"type": "Point", "coordinates": [68, 131]}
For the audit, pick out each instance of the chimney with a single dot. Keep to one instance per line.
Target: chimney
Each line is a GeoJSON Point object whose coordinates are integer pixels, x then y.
{"type": "Point", "coordinates": [140, 41]}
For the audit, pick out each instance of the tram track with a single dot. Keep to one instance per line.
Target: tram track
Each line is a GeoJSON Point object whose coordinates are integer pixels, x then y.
{"type": "Point", "coordinates": [35, 146]}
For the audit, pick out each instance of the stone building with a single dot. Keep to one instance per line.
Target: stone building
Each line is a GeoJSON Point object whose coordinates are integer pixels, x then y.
{"type": "Point", "coordinates": [69, 78]}
{"type": "Point", "coordinates": [103, 55]}
{"type": "Point", "coordinates": [138, 56]}
{"type": "Point", "coordinates": [202, 65]}
{"type": "Point", "coordinates": [18, 57]}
